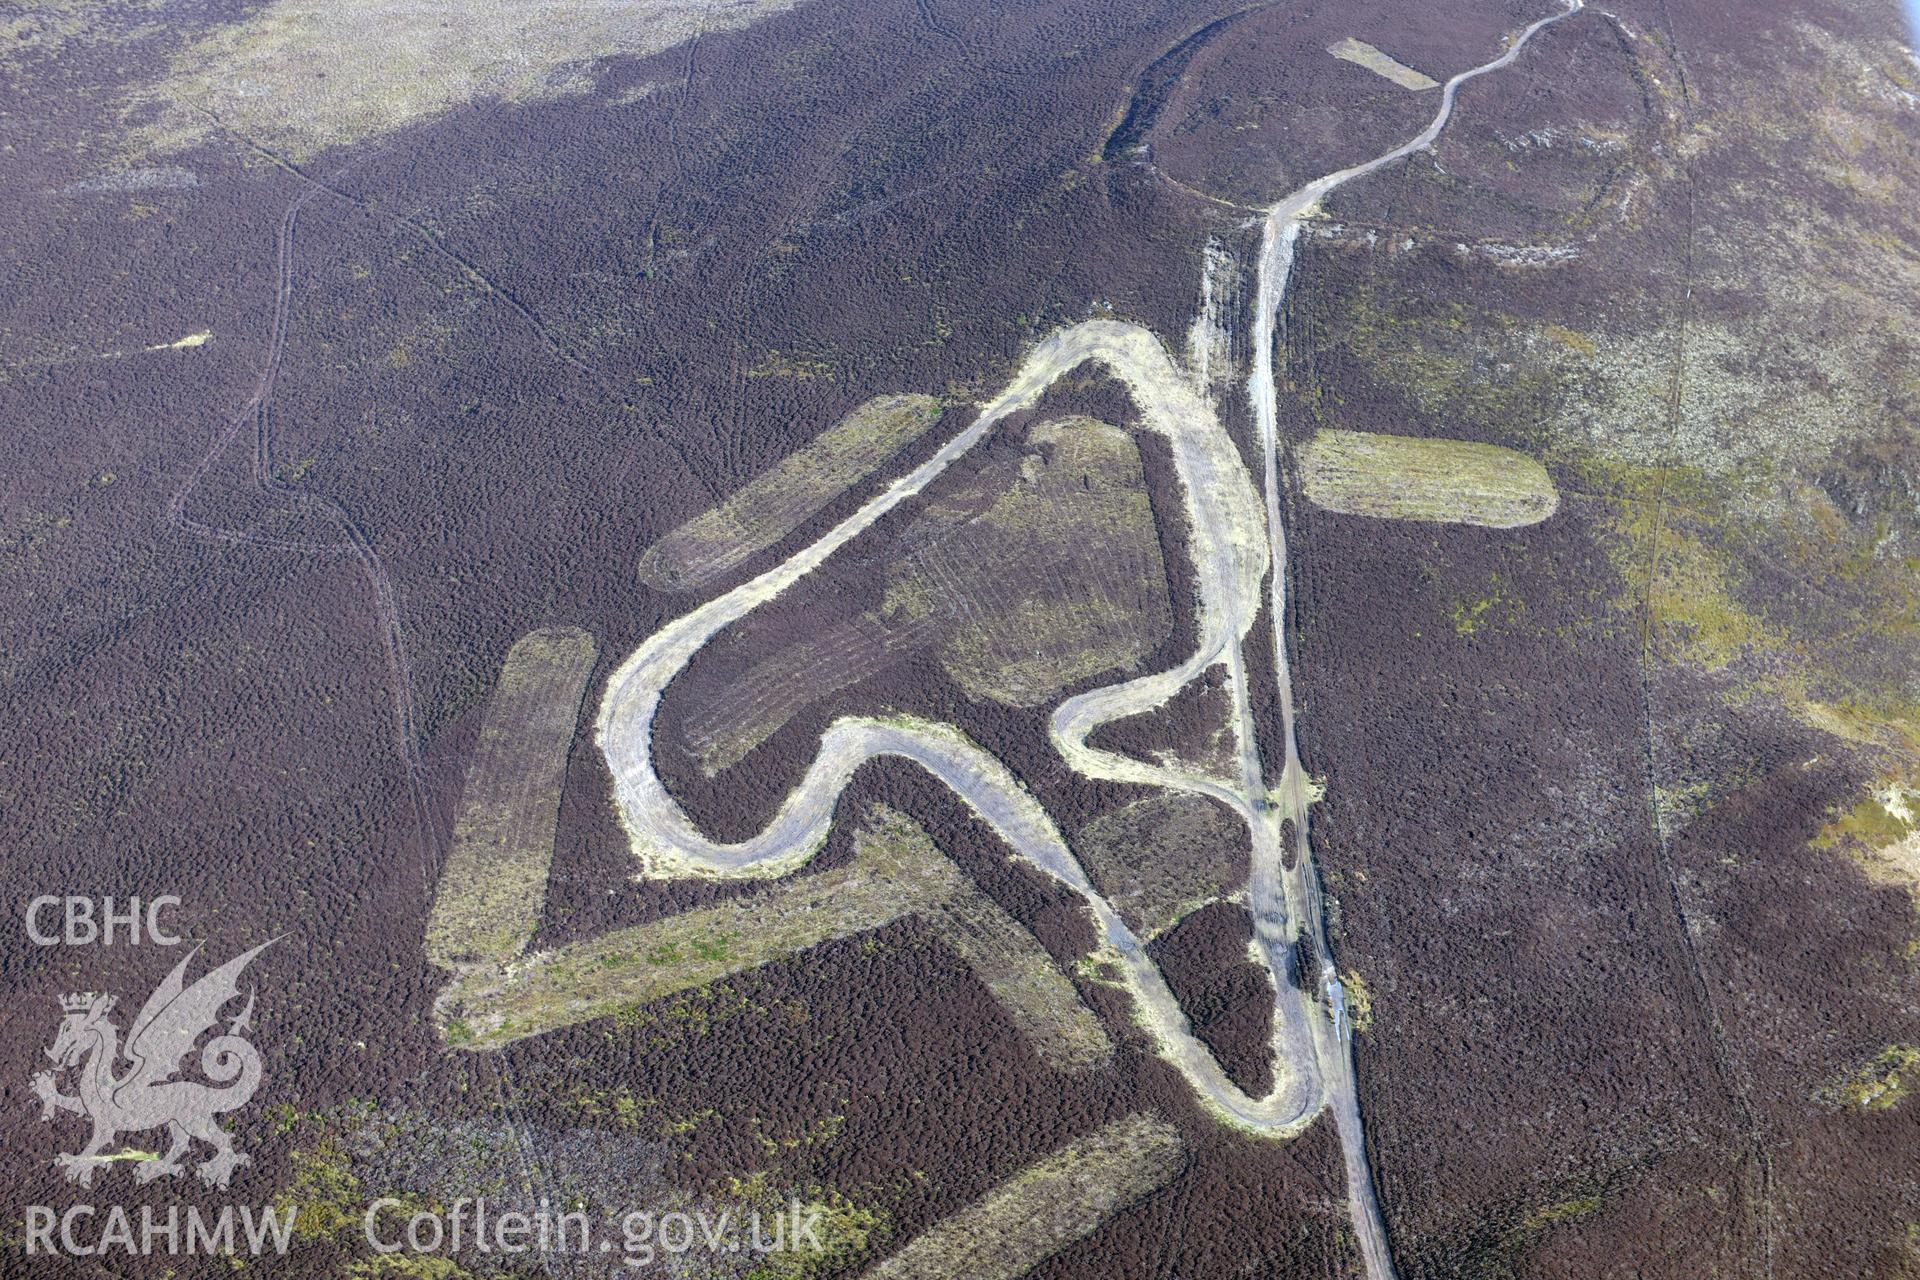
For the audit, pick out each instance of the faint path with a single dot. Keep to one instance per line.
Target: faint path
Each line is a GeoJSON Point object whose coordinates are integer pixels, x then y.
{"type": "Point", "coordinates": [352, 540]}
{"type": "Point", "coordinates": [609, 386]}
{"type": "Point", "coordinates": [931, 21]}
{"type": "Point", "coordinates": [1733, 1079]}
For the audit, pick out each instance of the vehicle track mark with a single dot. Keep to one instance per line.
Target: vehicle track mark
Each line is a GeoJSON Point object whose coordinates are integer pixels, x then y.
{"type": "Point", "coordinates": [1732, 1078]}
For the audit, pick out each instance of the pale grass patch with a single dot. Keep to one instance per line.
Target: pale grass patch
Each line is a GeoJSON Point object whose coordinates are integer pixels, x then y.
{"type": "Point", "coordinates": [1412, 478]}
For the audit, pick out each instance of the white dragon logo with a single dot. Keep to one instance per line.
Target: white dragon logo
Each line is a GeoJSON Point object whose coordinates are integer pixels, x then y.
{"type": "Point", "coordinates": [146, 1095]}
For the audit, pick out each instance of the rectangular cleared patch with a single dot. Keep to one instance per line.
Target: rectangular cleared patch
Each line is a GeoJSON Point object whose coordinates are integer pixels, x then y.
{"type": "Point", "coordinates": [1415, 478]}
{"type": "Point", "coordinates": [495, 883]}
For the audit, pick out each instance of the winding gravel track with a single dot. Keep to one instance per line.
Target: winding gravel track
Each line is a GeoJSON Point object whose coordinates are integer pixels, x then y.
{"type": "Point", "coordinates": [1230, 552]}
{"type": "Point", "coordinates": [1235, 538]}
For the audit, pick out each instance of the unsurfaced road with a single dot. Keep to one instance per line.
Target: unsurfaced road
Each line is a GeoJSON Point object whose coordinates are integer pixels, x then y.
{"type": "Point", "coordinates": [1237, 535]}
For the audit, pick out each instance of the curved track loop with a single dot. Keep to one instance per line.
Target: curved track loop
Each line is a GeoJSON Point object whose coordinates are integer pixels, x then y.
{"type": "Point", "coordinates": [1236, 538]}
{"type": "Point", "coordinates": [1230, 553]}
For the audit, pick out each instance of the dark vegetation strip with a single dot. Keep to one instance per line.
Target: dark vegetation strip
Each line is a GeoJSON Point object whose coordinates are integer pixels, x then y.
{"type": "Point", "coordinates": [1156, 85]}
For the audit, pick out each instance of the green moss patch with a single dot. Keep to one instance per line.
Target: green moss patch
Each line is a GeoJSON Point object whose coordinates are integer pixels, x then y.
{"type": "Point", "coordinates": [1880, 1085]}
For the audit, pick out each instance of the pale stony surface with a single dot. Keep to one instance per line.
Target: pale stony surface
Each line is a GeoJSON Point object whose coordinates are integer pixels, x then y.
{"type": "Point", "coordinates": [303, 75]}
{"type": "Point", "coordinates": [1362, 54]}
